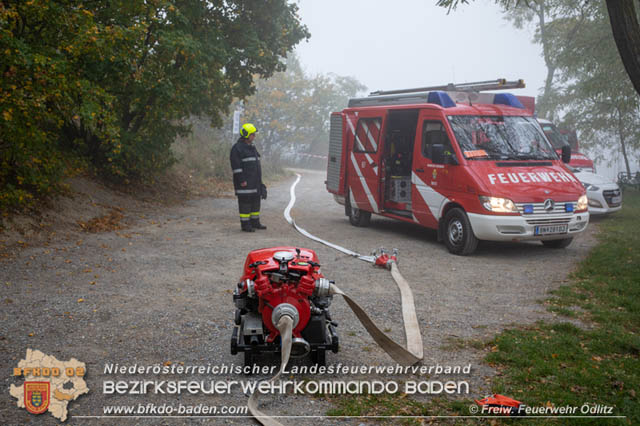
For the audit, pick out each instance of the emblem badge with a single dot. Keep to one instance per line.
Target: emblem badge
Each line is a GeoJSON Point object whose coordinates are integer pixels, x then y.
{"type": "Point", "coordinates": [36, 396]}
{"type": "Point", "coordinates": [434, 174]}
{"type": "Point", "coordinates": [549, 204]}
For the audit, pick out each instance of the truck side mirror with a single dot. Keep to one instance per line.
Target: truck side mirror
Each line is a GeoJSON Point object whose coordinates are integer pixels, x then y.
{"type": "Point", "coordinates": [566, 153]}
{"type": "Point", "coordinates": [437, 154]}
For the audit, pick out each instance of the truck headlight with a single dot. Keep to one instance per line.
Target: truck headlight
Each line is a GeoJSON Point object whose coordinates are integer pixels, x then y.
{"type": "Point", "coordinates": [583, 202]}
{"type": "Point", "coordinates": [498, 205]}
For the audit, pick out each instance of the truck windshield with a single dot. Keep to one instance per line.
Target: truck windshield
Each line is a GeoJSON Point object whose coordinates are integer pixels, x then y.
{"type": "Point", "coordinates": [501, 138]}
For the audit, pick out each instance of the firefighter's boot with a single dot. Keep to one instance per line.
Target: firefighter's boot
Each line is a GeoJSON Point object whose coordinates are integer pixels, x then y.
{"type": "Point", "coordinates": [255, 224]}
{"type": "Point", "coordinates": [246, 226]}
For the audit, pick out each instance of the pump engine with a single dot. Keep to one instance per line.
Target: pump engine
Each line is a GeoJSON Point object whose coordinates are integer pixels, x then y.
{"type": "Point", "coordinates": [282, 281]}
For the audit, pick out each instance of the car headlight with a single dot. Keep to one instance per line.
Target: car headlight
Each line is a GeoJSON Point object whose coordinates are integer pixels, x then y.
{"type": "Point", "coordinates": [498, 205]}
{"type": "Point", "coordinates": [582, 203]}
{"type": "Point", "coordinates": [590, 187]}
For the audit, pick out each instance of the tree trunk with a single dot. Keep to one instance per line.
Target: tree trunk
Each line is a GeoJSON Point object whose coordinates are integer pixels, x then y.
{"type": "Point", "coordinates": [626, 33]}
{"type": "Point", "coordinates": [622, 144]}
{"type": "Point", "coordinates": [545, 109]}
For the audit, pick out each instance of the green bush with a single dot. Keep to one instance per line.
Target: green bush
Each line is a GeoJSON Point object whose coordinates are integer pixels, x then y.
{"type": "Point", "coordinates": [113, 82]}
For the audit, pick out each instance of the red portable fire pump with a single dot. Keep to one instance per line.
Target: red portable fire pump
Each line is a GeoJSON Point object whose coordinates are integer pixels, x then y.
{"type": "Point", "coordinates": [283, 281]}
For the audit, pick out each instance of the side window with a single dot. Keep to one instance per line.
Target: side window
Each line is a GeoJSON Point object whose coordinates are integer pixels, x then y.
{"type": "Point", "coordinates": [433, 133]}
{"type": "Point", "coordinates": [367, 135]}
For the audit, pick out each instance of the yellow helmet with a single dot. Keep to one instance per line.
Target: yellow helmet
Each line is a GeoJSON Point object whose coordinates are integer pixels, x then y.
{"type": "Point", "coordinates": [247, 130]}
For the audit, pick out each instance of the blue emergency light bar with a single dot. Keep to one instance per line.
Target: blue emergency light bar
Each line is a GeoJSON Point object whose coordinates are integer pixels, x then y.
{"type": "Point", "coordinates": [441, 98]}
{"type": "Point", "coordinates": [507, 99]}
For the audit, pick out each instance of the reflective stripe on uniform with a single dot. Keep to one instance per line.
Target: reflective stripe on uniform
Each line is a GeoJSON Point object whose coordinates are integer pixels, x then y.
{"type": "Point", "coordinates": [255, 214]}
{"type": "Point", "coordinates": [250, 159]}
{"type": "Point", "coordinates": [246, 191]}
{"type": "Point", "coordinates": [244, 217]}
{"type": "Point", "coordinates": [237, 170]}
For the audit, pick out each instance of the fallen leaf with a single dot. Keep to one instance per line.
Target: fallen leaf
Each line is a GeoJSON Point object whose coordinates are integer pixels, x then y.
{"type": "Point", "coordinates": [80, 300]}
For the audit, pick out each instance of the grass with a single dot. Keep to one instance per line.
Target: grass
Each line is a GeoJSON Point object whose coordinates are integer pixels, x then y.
{"type": "Point", "coordinates": [564, 364]}
{"type": "Point", "coordinates": [591, 357]}
{"type": "Point", "coordinates": [378, 405]}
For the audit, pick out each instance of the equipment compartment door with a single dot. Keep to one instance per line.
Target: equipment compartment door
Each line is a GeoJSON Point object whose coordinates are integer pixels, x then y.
{"type": "Point", "coordinates": [363, 160]}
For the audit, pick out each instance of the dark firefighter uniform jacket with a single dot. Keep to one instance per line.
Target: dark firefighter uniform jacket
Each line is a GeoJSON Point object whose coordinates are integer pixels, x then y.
{"type": "Point", "coordinates": [245, 164]}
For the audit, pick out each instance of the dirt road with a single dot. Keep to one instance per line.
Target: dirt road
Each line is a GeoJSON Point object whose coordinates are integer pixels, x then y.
{"type": "Point", "coordinates": [160, 292]}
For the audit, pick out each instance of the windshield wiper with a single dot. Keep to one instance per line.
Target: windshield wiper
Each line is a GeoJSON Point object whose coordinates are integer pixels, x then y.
{"type": "Point", "coordinates": [490, 156]}
{"type": "Point", "coordinates": [521, 156]}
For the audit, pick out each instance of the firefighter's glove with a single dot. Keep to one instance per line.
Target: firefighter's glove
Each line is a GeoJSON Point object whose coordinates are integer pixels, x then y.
{"type": "Point", "coordinates": [263, 191]}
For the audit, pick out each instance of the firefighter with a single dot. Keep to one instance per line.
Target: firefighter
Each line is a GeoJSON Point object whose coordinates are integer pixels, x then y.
{"type": "Point", "coordinates": [247, 179]}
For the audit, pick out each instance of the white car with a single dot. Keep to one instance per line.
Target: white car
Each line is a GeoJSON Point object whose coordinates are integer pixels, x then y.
{"type": "Point", "coordinates": [604, 195]}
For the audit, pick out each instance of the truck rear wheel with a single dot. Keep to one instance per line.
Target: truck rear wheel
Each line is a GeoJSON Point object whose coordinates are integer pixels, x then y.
{"type": "Point", "coordinates": [557, 243]}
{"type": "Point", "coordinates": [458, 235]}
{"type": "Point", "coordinates": [359, 217]}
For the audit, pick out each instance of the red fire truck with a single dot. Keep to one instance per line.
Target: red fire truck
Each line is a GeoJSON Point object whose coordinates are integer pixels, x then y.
{"type": "Point", "coordinates": [473, 165]}
{"type": "Point", "coordinates": [560, 137]}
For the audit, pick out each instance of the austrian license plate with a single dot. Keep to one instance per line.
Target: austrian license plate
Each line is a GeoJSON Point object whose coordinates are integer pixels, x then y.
{"type": "Point", "coordinates": [616, 200]}
{"type": "Point", "coordinates": [551, 229]}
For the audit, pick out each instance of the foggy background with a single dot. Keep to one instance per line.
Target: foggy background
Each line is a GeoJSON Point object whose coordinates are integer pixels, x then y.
{"type": "Point", "coordinates": [413, 43]}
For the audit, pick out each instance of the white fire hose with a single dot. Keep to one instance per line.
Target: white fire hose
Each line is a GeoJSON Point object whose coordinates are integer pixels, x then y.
{"type": "Point", "coordinates": [409, 356]}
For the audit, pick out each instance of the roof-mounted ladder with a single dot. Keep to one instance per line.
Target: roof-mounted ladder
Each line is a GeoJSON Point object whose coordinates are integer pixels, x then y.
{"type": "Point", "coordinates": [477, 86]}
{"type": "Point", "coordinates": [442, 95]}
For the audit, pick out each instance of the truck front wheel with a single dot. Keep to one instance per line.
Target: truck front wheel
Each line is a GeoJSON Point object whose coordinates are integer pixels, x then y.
{"type": "Point", "coordinates": [359, 217]}
{"type": "Point", "coordinates": [557, 243]}
{"type": "Point", "coordinates": [458, 235]}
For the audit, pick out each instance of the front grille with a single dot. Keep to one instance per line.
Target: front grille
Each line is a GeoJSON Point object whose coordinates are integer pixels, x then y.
{"type": "Point", "coordinates": [538, 208]}
{"type": "Point", "coordinates": [549, 221]}
{"type": "Point", "coordinates": [609, 194]}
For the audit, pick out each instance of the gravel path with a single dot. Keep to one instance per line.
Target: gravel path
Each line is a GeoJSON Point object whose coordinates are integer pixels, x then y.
{"type": "Point", "coordinates": [160, 291]}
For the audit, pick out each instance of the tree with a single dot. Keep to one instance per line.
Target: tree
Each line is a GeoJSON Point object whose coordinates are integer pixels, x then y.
{"type": "Point", "coordinates": [597, 96]}
{"type": "Point", "coordinates": [623, 19]}
{"type": "Point", "coordinates": [591, 89]}
{"type": "Point", "coordinates": [113, 81]}
{"type": "Point", "coordinates": [180, 58]}
{"type": "Point", "coordinates": [43, 45]}
{"type": "Point", "coordinates": [291, 110]}
{"type": "Point", "coordinates": [544, 13]}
